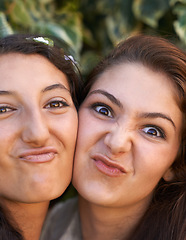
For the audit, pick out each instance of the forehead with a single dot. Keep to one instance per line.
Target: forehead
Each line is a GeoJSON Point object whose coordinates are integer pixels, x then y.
{"type": "Point", "coordinates": [139, 88]}
{"type": "Point", "coordinates": [133, 74]}
{"type": "Point", "coordinates": [32, 69]}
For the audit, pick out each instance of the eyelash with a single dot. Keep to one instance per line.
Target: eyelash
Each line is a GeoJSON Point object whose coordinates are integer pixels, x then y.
{"type": "Point", "coordinates": [158, 130]}
{"type": "Point", "coordinates": [102, 106]}
{"type": "Point", "coordinates": [6, 109]}
{"type": "Point", "coordinates": [56, 104]}
{"type": "Point", "coordinates": [61, 104]}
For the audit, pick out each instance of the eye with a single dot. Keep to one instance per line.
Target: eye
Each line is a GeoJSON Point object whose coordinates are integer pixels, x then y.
{"type": "Point", "coordinates": [154, 131]}
{"type": "Point", "coordinates": [103, 109]}
{"type": "Point", "coordinates": [56, 104]}
{"type": "Point", "coordinates": [6, 109]}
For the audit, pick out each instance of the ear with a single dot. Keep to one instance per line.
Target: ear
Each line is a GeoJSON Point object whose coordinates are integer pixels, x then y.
{"type": "Point", "coordinates": [168, 175]}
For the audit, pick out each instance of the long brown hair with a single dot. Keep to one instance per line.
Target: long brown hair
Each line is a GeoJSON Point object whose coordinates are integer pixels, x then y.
{"type": "Point", "coordinates": [165, 219]}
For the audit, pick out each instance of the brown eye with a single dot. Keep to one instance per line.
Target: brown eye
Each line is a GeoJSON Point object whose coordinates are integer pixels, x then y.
{"type": "Point", "coordinates": [5, 109]}
{"type": "Point", "coordinates": [56, 104]}
{"type": "Point", "coordinates": [103, 110]}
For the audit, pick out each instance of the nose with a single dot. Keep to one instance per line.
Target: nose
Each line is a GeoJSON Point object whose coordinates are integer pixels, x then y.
{"type": "Point", "coordinates": [35, 130]}
{"type": "Point", "coordinates": [119, 140]}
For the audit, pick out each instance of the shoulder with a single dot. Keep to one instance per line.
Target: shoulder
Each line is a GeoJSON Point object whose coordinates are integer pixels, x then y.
{"type": "Point", "coordinates": [59, 219]}
{"type": "Point", "coordinates": [66, 207]}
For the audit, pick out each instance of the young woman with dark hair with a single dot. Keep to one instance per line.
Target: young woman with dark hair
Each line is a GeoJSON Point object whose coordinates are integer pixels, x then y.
{"type": "Point", "coordinates": [130, 163]}
{"type": "Point", "coordinates": [39, 89]}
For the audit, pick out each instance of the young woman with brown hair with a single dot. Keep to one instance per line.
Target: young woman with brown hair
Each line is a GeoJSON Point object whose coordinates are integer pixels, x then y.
{"type": "Point", "coordinates": [130, 164]}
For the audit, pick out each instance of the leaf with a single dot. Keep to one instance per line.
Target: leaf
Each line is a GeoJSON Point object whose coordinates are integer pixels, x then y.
{"type": "Point", "coordinates": [70, 21]}
{"type": "Point", "coordinates": [19, 14]}
{"type": "Point", "coordinates": [87, 37]}
{"type": "Point", "coordinates": [88, 61]}
{"type": "Point", "coordinates": [179, 10]}
{"type": "Point", "coordinates": [5, 28]}
{"type": "Point", "coordinates": [35, 9]}
{"type": "Point", "coordinates": [55, 30]}
{"type": "Point", "coordinates": [108, 7]}
{"type": "Point", "coordinates": [121, 22]}
{"type": "Point", "coordinates": [150, 11]}
{"type": "Point", "coordinates": [173, 2]}
{"type": "Point", "coordinates": [3, 5]}
{"type": "Point", "coordinates": [45, 1]}
{"type": "Point", "coordinates": [180, 23]}
{"type": "Point", "coordinates": [59, 32]}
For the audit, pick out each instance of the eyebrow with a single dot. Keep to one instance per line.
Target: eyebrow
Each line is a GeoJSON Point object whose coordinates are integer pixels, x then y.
{"type": "Point", "coordinates": [55, 86]}
{"type": "Point", "coordinates": [48, 88]}
{"type": "Point", "coordinates": [157, 115]}
{"type": "Point", "coordinates": [109, 96]}
{"type": "Point", "coordinates": [3, 92]}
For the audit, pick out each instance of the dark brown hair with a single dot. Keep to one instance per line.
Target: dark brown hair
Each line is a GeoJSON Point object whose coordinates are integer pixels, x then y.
{"type": "Point", "coordinates": [8, 231]}
{"type": "Point", "coordinates": [165, 218]}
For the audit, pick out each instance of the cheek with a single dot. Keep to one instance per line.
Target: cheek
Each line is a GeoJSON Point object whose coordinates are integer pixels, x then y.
{"type": "Point", "coordinates": [154, 160]}
{"type": "Point", "coordinates": [8, 137]}
{"type": "Point", "coordinates": [89, 129]}
{"type": "Point", "coordinates": [66, 130]}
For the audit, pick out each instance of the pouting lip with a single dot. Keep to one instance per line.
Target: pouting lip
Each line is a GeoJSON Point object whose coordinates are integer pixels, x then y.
{"type": "Point", "coordinates": [107, 161]}
{"type": "Point", "coordinates": [37, 152]}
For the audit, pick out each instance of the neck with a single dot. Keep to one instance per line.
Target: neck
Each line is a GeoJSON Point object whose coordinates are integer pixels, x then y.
{"type": "Point", "coordinates": [29, 218]}
{"type": "Point", "coordinates": [100, 222]}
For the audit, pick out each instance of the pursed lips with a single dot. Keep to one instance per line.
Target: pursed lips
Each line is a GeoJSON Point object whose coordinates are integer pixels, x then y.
{"type": "Point", "coordinates": [39, 155]}
{"type": "Point", "coordinates": [107, 166]}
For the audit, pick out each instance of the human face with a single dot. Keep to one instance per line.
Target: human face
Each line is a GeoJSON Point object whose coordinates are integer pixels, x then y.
{"type": "Point", "coordinates": [128, 138]}
{"type": "Point", "coordinates": [38, 123]}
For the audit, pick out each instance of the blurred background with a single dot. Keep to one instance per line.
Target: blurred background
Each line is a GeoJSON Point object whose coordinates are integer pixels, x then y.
{"type": "Point", "coordinates": [90, 29]}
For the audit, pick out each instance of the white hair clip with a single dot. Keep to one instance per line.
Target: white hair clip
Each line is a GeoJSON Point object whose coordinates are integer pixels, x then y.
{"type": "Point", "coordinates": [69, 57]}
{"type": "Point", "coordinates": [44, 40]}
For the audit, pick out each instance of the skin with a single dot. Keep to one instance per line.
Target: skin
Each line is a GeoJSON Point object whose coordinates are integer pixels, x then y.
{"type": "Point", "coordinates": [128, 139]}
{"type": "Point", "coordinates": [38, 123]}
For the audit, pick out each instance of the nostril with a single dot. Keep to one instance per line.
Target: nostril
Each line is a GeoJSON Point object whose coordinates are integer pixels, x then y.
{"type": "Point", "coordinates": [118, 142]}
{"type": "Point", "coordinates": [35, 133]}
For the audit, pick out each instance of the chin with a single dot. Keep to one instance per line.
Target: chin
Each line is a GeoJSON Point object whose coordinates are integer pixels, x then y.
{"type": "Point", "coordinates": [43, 194]}
{"type": "Point", "coordinates": [42, 197]}
{"type": "Point", "coordinates": [49, 189]}
{"type": "Point", "coordinates": [97, 194]}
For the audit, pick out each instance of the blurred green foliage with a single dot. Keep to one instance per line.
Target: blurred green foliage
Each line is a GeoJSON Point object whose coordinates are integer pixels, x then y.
{"type": "Point", "coordinates": [92, 28]}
